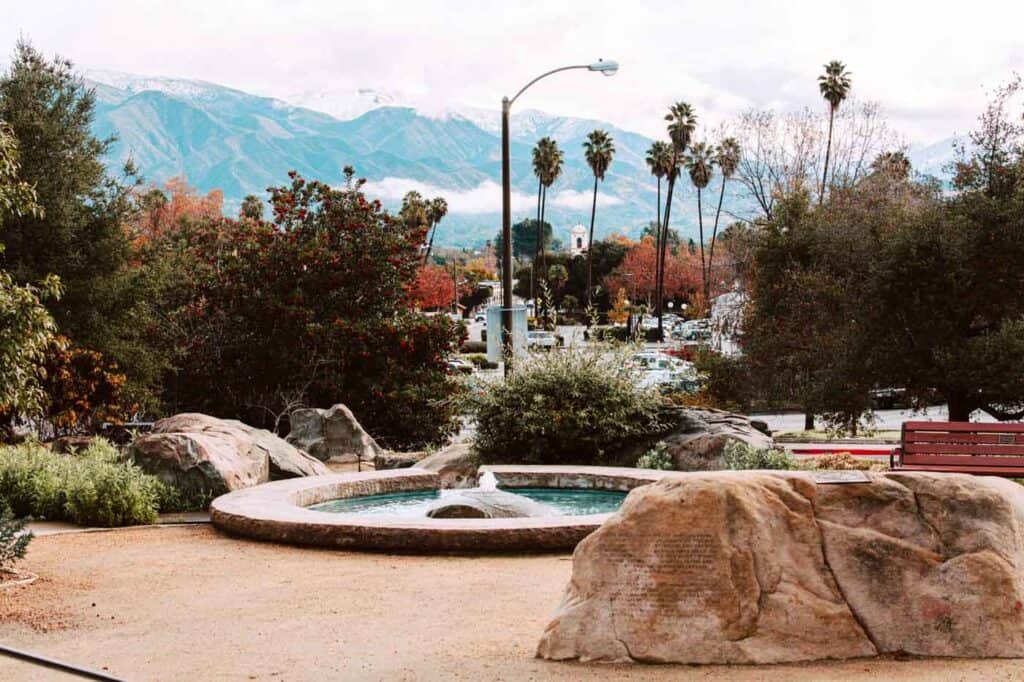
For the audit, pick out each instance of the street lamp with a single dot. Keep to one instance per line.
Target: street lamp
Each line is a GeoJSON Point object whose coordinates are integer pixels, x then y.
{"type": "Point", "coordinates": [608, 68]}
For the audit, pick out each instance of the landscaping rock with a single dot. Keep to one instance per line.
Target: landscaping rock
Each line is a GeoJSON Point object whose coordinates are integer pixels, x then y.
{"type": "Point", "coordinates": [69, 445]}
{"type": "Point", "coordinates": [397, 460]}
{"type": "Point", "coordinates": [196, 452]}
{"type": "Point", "coordinates": [456, 465]}
{"type": "Point", "coordinates": [332, 434]}
{"type": "Point", "coordinates": [770, 567]}
{"type": "Point", "coordinates": [487, 504]}
{"type": "Point", "coordinates": [697, 443]}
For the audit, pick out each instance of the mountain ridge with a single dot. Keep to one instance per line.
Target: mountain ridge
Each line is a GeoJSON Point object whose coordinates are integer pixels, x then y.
{"type": "Point", "coordinates": [224, 138]}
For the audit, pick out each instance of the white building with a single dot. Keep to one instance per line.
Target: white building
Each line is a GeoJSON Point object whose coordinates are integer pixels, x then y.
{"type": "Point", "coordinates": [578, 241]}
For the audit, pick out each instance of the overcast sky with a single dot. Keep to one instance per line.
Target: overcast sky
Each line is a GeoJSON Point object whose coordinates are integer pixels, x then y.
{"type": "Point", "coordinates": [928, 63]}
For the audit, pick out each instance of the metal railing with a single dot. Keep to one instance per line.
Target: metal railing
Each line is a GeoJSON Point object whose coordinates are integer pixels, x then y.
{"type": "Point", "coordinates": [56, 665]}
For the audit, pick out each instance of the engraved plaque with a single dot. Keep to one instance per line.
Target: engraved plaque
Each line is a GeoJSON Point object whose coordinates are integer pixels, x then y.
{"type": "Point", "coordinates": [677, 571]}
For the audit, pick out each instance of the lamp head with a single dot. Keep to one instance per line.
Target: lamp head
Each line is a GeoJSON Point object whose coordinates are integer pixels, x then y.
{"type": "Point", "coordinates": [608, 68]}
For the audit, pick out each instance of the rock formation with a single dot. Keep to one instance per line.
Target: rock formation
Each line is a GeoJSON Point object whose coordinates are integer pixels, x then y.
{"type": "Point", "coordinates": [332, 435]}
{"type": "Point", "coordinates": [196, 452]}
{"type": "Point", "coordinates": [486, 504]}
{"type": "Point", "coordinates": [767, 567]}
{"type": "Point", "coordinates": [697, 443]}
{"type": "Point", "coordinates": [456, 465]}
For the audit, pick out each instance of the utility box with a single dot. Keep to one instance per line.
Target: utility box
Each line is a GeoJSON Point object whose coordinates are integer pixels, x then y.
{"type": "Point", "coordinates": [494, 327]}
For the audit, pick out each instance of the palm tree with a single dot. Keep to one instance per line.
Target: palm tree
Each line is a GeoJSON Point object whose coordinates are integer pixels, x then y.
{"type": "Point", "coordinates": [540, 162]}
{"type": "Point", "coordinates": [554, 159]}
{"type": "Point", "coordinates": [728, 158]}
{"type": "Point", "coordinates": [682, 121]}
{"type": "Point", "coordinates": [436, 210]}
{"type": "Point", "coordinates": [835, 86]}
{"type": "Point", "coordinates": [700, 164]}
{"type": "Point", "coordinates": [659, 159]}
{"type": "Point", "coordinates": [599, 151]}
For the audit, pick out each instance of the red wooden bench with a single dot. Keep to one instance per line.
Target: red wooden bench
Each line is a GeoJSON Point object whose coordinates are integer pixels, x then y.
{"type": "Point", "coordinates": [965, 447]}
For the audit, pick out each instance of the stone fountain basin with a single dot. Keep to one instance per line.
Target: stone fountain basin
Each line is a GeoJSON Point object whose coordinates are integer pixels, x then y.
{"type": "Point", "coordinates": [278, 511]}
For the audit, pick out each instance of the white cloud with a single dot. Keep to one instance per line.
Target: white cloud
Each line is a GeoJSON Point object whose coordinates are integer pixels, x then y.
{"type": "Point", "coordinates": [579, 201]}
{"type": "Point", "coordinates": [933, 57]}
{"type": "Point", "coordinates": [484, 198]}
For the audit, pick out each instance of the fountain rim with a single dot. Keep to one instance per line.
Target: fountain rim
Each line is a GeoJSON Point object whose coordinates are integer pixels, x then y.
{"type": "Point", "coordinates": [278, 511]}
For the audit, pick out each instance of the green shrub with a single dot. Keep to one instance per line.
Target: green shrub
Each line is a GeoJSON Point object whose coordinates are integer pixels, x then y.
{"type": "Point", "coordinates": [566, 407]}
{"type": "Point", "coordinates": [737, 455]}
{"type": "Point", "coordinates": [656, 458]}
{"type": "Point", "coordinates": [481, 361]}
{"type": "Point", "coordinates": [474, 347]}
{"type": "Point", "coordinates": [726, 380]}
{"type": "Point", "coordinates": [94, 487]}
{"type": "Point", "coordinates": [13, 543]}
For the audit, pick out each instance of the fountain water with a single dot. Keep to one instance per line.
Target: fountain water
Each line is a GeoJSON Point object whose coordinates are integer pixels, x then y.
{"type": "Point", "coordinates": [488, 482]}
{"type": "Point", "coordinates": [486, 502]}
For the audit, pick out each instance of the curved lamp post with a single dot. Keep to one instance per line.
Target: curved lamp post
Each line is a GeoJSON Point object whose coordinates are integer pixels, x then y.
{"type": "Point", "coordinates": [608, 68]}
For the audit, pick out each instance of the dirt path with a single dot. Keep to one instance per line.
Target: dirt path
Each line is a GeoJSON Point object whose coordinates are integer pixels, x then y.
{"type": "Point", "coordinates": [187, 603]}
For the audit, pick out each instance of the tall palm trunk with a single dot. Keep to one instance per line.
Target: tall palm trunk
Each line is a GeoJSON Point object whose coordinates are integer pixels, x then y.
{"type": "Point", "coordinates": [828, 152]}
{"type": "Point", "coordinates": [540, 233]}
{"type": "Point", "coordinates": [590, 246]}
{"type": "Point", "coordinates": [536, 245]}
{"type": "Point", "coordinates": [657, 246]}
{"type": "Point", "coordinates": [714, 233]}
{"type": "Point", "coordinates": [660, 289]}
{"type": "Point", "coordinates": [430, 244]}
{"type": "Point", "coordinates": [703, 266]}
{"type": "Point", "coordinates": [659, 204]}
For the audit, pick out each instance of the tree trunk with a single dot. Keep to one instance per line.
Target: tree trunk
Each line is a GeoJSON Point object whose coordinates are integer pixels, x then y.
{"type": "Point", "coordinates": [960, 407]}
{"type": "Point", "coordinates": [660, 289]}
{"type": "Point", "coordinates": [828, 152]}
{"type": "Point", "coordinates": [808, 422]}
{"type": "Point", "coordinates": [714, 231]}
{"type": "Point", "coordinates": [536, 245]}
{"type": "Point", "coordinates": [430, 244]}
{"type": "Point", "coordinates": [703, 267]}
{"type": "Point", "coordinates": [540, 239]}
{"type": "Point", "coordinates": [590, 246]}
{"type": "Point", "coordinates": [658, 231]}
{"type": "Point", "coordinates": [657, 246]}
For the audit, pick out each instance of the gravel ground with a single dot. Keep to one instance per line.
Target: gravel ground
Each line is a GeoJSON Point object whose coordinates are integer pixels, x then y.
{"type": "Point", "coordinates": [188, 603]}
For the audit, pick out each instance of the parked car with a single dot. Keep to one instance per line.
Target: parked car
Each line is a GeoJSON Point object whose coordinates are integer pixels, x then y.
{"type": "Point", "coordinates": [664, 371]}
{"type": "Point", "coordinates": [460, 366]}
{"type": "Point", "coordinates": [541, 339]}
{"type": "Point", "coordinates": [480, 317]}
{"type": "Point", "coordinates": [693, 330]}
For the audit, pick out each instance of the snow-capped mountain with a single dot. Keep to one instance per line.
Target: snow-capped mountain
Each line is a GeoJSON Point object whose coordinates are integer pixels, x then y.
{"type": "Point", "coordinates": [346, 105]}
{"type": "Point", "coordinates": [240, 143]}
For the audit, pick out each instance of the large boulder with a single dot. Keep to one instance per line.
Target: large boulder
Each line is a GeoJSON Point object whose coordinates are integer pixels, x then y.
{"type": "Point", "coordinates": [486, 504]}
{"type": "Point", "coordinates": [697, 443]}
{"type": "Point", "coordinates": [769, 567]}
{"type": "Point", "coordinates": [332, 435]}
{"type": "Point", "coordinates": [196, 452]}
{"type": "Point", "coordinates": [455, 465]}
{"type": "Point", "coordinates": [388, 459]}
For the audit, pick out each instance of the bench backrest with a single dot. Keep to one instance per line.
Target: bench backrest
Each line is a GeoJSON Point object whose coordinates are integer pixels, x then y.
{"type": "Point", "coordinates": [963, 443]}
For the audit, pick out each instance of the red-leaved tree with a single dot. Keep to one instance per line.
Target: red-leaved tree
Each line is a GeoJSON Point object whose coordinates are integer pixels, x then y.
{"type": "Point", "coordinates": [312, 308]}
{"type": "Point", "coordinates": [637, 273]}
{"type": "Point", "coordinates": [433, 288]}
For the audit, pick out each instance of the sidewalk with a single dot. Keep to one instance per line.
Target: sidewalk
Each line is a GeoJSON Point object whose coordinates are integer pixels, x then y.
{"type": "Point", "coordinates": [44, 528]}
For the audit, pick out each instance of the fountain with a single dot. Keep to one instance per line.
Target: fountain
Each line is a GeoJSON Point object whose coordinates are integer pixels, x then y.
{"type": "Point", "coordinates": [521, 508]}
